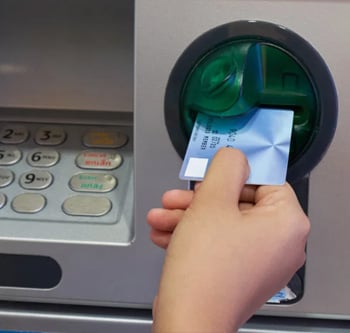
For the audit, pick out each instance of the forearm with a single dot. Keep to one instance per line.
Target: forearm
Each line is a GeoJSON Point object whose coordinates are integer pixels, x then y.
{"type": "Point", "coordinates": [187, 317]}
{"type": "Point", "coordinates": [195, 299]}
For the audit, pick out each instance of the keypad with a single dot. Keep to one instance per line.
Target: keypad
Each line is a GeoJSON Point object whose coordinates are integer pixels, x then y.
{"type": "Point", "coordinates": [66, 173]}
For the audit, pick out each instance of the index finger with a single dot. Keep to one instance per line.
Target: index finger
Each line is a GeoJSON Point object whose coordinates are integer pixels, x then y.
{"type": "Point", "coordinates": [272, 194]}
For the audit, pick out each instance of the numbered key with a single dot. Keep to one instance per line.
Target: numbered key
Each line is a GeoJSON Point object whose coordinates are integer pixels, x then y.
{"type": "Point", "coordinates": [6, 177]}
{"type": "Point", "coordinates": [36, 180]}
{"type": "Point", "coordinates": [9, 155]}
{"type": "Point", "coordinates": [50, 136]}
{"type": "Point", "coordinates": [43, 158]}
{"type": "Point", "coordinates": [13, 134]}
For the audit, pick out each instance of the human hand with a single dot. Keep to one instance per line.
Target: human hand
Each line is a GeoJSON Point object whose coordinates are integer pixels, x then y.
{"type": "Point", "coordinates": [232, 249]}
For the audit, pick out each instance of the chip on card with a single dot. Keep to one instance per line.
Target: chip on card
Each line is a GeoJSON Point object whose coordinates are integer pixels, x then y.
{"type": "Point", "coordinates": [263, 135]}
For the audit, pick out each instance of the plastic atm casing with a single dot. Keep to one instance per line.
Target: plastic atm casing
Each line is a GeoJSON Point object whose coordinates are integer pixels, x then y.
{"type": "Point", "coordinates": [104, 273]}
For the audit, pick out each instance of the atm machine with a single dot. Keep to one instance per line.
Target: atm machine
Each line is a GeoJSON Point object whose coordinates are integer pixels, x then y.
{"type": "Point", "coordinates": [97, 102]}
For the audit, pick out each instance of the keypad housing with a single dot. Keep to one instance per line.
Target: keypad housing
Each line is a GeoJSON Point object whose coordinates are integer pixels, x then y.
{"type": "Point", "coordinates": [57, 165]}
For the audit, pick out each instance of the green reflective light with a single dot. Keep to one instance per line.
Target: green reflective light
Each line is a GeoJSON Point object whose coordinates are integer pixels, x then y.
{"type": "Point", "coordinates": [240, 75]}
{"type": "Point", "coordinates": [218, 75]}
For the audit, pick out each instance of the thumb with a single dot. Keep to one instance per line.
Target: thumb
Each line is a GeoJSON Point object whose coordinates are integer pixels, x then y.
{"type": "Point", "coordinates": [224, 180]}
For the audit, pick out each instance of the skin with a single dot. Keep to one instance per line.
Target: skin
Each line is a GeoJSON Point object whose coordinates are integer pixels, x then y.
{"type": "Point", "coordinates": [229, 248]}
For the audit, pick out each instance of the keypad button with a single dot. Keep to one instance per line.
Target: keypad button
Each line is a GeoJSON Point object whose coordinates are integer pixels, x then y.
{"type": "Point", "coordinates": [6, 177]}
{"type": "Point", "coordinates": [3, 200]}
{"type": "Point", "coordinates": [99, 160]}
{"type": "Point", "coordinates": [36, 180]}
{"type": "Point", "coordinates": [81, 205]}
{"type": "Point", "coordinates": [13, 134]}
{"type": "Point", "coordinates": [50, 136]}
{"type": "Point", "coordinates": [43, 158]}
{"type": "Point", "coordinates": [104, 139]}
{"type": "Point", "coordinates": [93, 182]}
{"type": "Point", "coordinates": [9, 155]}
{"type": "Point", "coordinates": [28, 203]}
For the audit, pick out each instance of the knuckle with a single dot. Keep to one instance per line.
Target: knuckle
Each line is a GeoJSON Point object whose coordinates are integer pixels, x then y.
{"type": "Point", "coordinates": [304, 227]}
{"type": "Point", "coordinates": [165, 197]}
{"type": "Point", "coordinates": [307, 226]}
{"type": "Point", "coordinates": [150, 216]}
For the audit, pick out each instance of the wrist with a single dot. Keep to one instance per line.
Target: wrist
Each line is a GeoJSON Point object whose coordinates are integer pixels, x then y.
{"type": "Point", "coordinates": [193, 315]}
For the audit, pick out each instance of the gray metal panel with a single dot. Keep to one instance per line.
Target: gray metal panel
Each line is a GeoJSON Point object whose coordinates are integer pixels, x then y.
{"type": "Point", "coordinates": [66, 54]}
{"type": "Point", "coordinates": [58, 319]}
{"type": "Point", "coordinates": [54, 320]}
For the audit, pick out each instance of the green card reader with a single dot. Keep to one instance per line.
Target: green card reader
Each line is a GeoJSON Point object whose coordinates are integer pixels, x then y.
{"type": "Point", "coordinates": [239, 66]}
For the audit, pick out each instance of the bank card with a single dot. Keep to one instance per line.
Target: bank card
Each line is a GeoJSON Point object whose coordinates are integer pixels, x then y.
{"type": "Point", "coordinates": [284, 295]}
{"type": "Point", "coordinates": [263, 135]}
